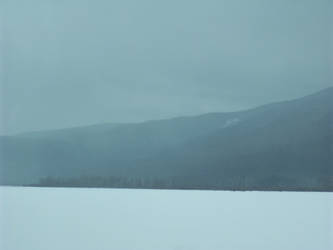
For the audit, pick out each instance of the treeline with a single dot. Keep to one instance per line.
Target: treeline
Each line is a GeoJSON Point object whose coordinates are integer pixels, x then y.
{"type": "Point", "coordinates": [237, 183]}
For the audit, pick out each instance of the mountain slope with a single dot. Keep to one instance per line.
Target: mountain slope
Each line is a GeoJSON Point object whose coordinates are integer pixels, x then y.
{"type": "Point", "coordinates": [285, 146]}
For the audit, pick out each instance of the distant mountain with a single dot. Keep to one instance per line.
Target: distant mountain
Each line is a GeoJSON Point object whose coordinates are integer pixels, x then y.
{"type": "Point", "coordinates": [280, 146]}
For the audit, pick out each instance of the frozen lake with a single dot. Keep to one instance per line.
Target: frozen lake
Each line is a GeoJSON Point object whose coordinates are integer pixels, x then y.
{"type": "Point", "coordinates": [111, 219]}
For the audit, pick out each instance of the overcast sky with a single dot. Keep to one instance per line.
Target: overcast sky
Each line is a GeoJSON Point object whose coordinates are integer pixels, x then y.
{"type": "Point", "coordinates": [68, 63]}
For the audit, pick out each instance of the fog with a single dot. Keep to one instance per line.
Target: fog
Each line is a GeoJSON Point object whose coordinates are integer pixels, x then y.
{"type": "Point", "coordinates": [71, 63]}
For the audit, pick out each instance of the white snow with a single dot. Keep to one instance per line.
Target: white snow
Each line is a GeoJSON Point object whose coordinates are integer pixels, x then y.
{"type": "Point", "coordinates": [231, 122]}
{"type": "Point", "coordinates": [120, 219]}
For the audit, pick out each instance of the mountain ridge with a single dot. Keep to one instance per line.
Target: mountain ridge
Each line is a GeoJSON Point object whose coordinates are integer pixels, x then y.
{"type": "Point", "coordinates": [289, 143]}
{"type": "Point", "coordinates": [97, 125]}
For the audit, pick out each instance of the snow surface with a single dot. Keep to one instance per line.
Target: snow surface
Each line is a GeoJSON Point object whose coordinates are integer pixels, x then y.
{"type": "Point", "coordinates": [122, 219]}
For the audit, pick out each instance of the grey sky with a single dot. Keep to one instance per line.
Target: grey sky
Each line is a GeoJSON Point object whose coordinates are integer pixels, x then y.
{"type": "Point", "coordinates": [76, 62]}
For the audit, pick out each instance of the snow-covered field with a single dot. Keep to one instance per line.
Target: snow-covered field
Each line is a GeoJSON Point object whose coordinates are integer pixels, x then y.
{"type": "Point", "coordinates": [120, 219]}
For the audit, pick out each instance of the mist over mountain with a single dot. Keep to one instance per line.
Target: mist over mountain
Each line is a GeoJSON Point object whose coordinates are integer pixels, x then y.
{"type": "Point", "coordinates": [279, 146]}
{"type": "Point", "coordinates": [72, 63]}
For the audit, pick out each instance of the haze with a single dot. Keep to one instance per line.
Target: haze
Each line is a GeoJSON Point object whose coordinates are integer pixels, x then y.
{"type": "Point", "coordinates": [72, 63]}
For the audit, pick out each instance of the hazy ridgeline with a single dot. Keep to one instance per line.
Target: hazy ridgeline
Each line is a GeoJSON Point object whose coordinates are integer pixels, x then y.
{"type": "Point", "coordinates": [280, 146]}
